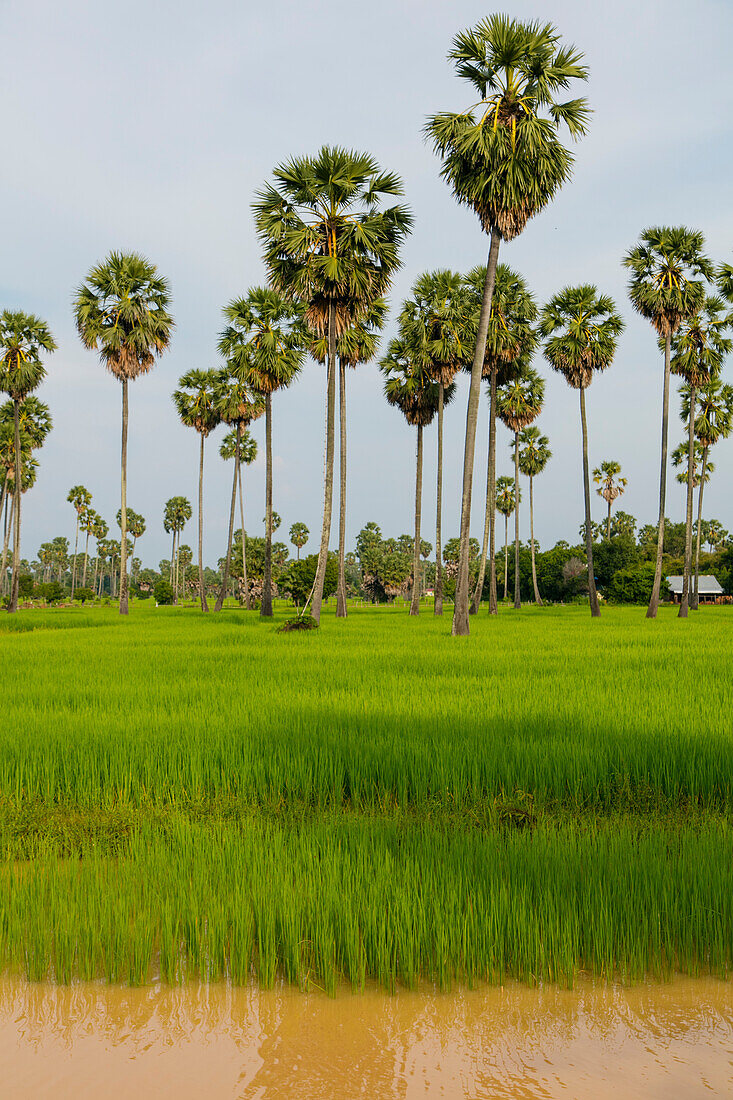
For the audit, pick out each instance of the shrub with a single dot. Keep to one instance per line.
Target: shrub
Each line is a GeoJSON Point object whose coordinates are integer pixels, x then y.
{"type": "Point", "coordinates": [300, 622]}
{"type": "Point", "coordinates": [633, 585]}
{"type": "Point", "coordinates": [25, 587]}
{"type": "Point", "coordinates": [51, 591]}
{"type": "Point", "coordinates": [163, 593]}
{"type": "Point", "coordinates": [83, 594]}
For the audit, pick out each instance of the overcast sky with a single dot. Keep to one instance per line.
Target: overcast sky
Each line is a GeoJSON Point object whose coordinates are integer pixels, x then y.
{"type": "Point", "coordinates": [148, 126]}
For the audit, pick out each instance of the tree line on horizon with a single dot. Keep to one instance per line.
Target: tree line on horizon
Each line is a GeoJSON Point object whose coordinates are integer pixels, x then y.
{"type": "Point", "coordinates": [331, 227]}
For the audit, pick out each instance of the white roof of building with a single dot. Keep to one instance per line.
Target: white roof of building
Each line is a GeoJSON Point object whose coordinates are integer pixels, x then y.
{"type": "Point", "coordinates": [707, 586]}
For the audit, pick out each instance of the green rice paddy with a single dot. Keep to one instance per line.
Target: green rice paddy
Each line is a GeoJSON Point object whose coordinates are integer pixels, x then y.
{"type": "Point", "coordinates": [186, 796]}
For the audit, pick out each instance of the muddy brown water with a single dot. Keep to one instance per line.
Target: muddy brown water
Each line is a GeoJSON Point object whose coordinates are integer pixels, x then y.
{"type": "Point", "coordinates": [87, 1041]}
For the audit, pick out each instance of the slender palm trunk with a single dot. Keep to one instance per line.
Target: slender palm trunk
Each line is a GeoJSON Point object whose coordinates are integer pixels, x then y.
{"type": "Point", "coordinates": [438, 603]}
{"type": "Point", "coordinates": [86, 562]}
{"type": "Point", "coordinates": [608, 521]}
{"type": "Point", "coordinates": [202, 592]}
{"type": "Point", "coordinates": [489, 543]}
{"type": "Point", "coordinates": [506, 554]}
{"type": "Point", "coordinates": [517, 597]}
{"type": "Point", "coordinates": [266, 602]}
{"type": "Point", "coordinates": [685, 601]}
{"type": "Point", "coordinates": [415, 604]}
{"type": "Point", "coordinates": [13, 605]}
{"type": "Point", "coordinates": [96, 571]}
{"type": "Point", "coordinates": [6, 544]}
{"type": "Point", "coordinates": [696, 590]}
{"type": "Point", "coordinates": [328, 486]}
{"type": "Point", "coordinates": [124, 609]}
{"type": "Point", "coordinates": [227, 565]}
{"type": "Point", "coordinates": [76, 547]}
{"type": "Point", "coordinates": [341, 611]}
{"type": "Point", "coordinates": [173, 559]}
{"type": "Point", "coordinates": [460, 612]}
{"type": "Point", "coordinates": [535, 589]}
{"type": "Point", "coordinates": [651, 611]}
{"type": "Point", "coordinates": [592, 594]}
{"type": "Point", "coordinates": [245, 582]}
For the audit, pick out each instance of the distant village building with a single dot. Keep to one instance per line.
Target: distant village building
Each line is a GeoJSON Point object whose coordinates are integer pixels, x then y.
{"type": "Point", "coordinates": [709, 589]}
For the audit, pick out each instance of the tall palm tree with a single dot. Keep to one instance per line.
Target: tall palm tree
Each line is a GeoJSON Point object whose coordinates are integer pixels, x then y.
{"type": "Point", "coordinates": [137, 530]}
{"type": "Point", "coordinates": [264, 344]}
{"type": "Point", "coordinates": [610, 486]}
{"type": "Point", "coordinates": [581, 329]}
{"type": "Point", "coordinates": [502, 157]}
{"type": "Point", "coordinates": [196, 406]}
{"type": "Point", "coordinates": [698, 348]}
{"type": "Point", "coordinates": [518, 403]}
{"type": "Point", "coordinates": [510, 341]}
{"type": "Point", "coordinates": [505, 502]}
{"type": "Point", "coordinates": [667, 268]}
{"type": "Point", "coordinates": [89, 520]}
{"type": "Point", "coordinates": [413, 391]}
{"type": "Point", "coordinates": [8, 460]}
{"type": "Point", "coordinates": [533, 458]}
{"type": "Point", "coordinates": [24, 339]}
{"type": "Point", "coordinates": [176, 515]}
{"type": "Point", "coordinates": [299, 535]}
{"type": "Point", "coordinates": [122, 311]}
{"type": "Point", "coordinates": [331, 246]}
{"type": "Point", "coordinates": [100, 532]}
{"type": "Point", "coordinates": [714, 421]}
{"type": "Point", "coordinates": [435, 322]}
{"type": "Point", "coordinates": [81, 498]}
{"type": "Point", "coordinates": [240, 448]}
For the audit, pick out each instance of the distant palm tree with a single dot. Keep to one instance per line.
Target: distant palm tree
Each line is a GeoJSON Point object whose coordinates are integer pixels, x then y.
{"type": "Point", "coordinates": [667, 267]}
{"type": "Point", "coordinates": [502, 157]}
{"type": "Point", "coordinates": [100, 532]}
{"type": "Point", "coordinates": [698, 348]}
{"type": "Point", "coordinates": [81, 498]}
{"type": "Point", "coordinates": [611, 486]}
{"type": "Point", "coordinates": [195, 403]}
{"type": "Point", "coordinates": [264, 344]}
{"type": "Point", "coordinates": [89, 521]}
{"type": "Point", "coordinates": [122, 311]}
{"type": "Point", "coordinates": [505, 502]}
{"type": "Point", "coordinates": [331, 247]}
{"type": "Point", "coordinates": [581, 328]}
{"type": "Point", "coordinates": [533, 458]}
{"type": "Point", "coordinates": [24, 339]}
{"type": "Point", "coordinates": [299, 535]}
{"type": "Point", "coordinates": [178, 512]}
{"type": "Point", "coordinates": [518, 403]}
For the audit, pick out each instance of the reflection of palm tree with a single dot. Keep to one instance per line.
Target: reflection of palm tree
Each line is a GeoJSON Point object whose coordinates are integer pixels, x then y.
{"type": "Point", "coordinates": [533, 458]}
{"type": "Point", "coordinates": [611, 486]}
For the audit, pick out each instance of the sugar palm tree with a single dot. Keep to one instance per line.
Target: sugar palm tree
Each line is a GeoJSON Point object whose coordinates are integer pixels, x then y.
{"type": "Point", "coordinates": [176, 515]}
{"type": "Point", "coordinates": [518, 403]}
{"type": "Point", "coordinates": [122, 310]}
{"type": "Point", "coordinates": [8, 455]}
{"type": "Point", "coordinates": [264, 344]}
{"type": "Point", "coordinates": [698, 348]}
{"type": "Point", "coordinates": [666, 286]}
{"type": "Point", "coordinates": [533, 458]}
{"type": "Point", "coordinates": [505, 502]}
{"type": "Point", "coordinates": [435, 322]}
{"type": "Point", "coordinates": [299, 535]}
{"type": "Point", "coordinates": [610, 486]}
{"type": "Point", "coordinates": [196, 406]}
{"type": "Point", "coordinates": [136, 529]}
{"type": "Point", "coordinates": [24, 340]}
{"type": "Point", "coordinates": [100, 532]}
{"type": "Point", "coordinates": [414, 392]}
{"type": "Point", "coordinates": [581, 329]}
{"type": "Point", "coordinates": [81, 498]}
{"type": "Point", "coordinates": [714, 421]}
{"type": "Point", "coordinates": [503, 158]}
{"type": "Point", "coordinates": [89, 520]}
{"type": "Point", "coordinates": [680, 458]}
{"type": "Point", "coordinates": [239, 405]}
{"type": "Point", "coordinates": [332, 246]}
{"type": "Point", "coordinates": [510, 341]}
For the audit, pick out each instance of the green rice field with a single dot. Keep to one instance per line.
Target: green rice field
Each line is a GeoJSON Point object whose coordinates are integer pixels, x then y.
{"type": "Point", "coordinates": [186, 796]}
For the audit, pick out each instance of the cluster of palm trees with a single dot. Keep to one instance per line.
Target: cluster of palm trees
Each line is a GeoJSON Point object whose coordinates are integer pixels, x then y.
{"type": "Point", "coordinates": [331, 227]}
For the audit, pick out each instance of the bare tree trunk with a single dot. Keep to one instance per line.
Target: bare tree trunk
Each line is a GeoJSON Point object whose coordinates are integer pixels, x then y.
{"type": "Point", "coordinates": [202, 592]}
{"type": "Point", "coordinates": [86, 562]}
{"type": "Point", "coordinates": [537, 597]}
{"type": "Point", "coordinates": [608, 521]}
{"type": "Point", "coordinates": [685, 601]}
{"type": "Point", "coordinates": [696, 590]}
{"type": "Point", "coordinates": [328, 487]}
{"type": "Point", "coordinates": [18, 491]}
{"type": "Point", "coordinates": [415, 604]}
{"type": "Point", "coordinates": [76, 547]}
{"type": "Point", "coordinates": [225, 579]}
{"type": "Point", "coordinates": [266, 601]}
{"type": "Point", "coordinates": [460, 612]}
{"type": "Point", "coordinates": [124, 609]}
{"type": "Point", "coordinates": [6, 543]}
{"type": "Point", "coordinates": [506, 555]}
{"type": "Point", "coordinates": [438, 600]}
{"type": "Point", "coordinates": [592, 594]}
{"type": "Point", "coordinates": [247, 604]}
{"type": "Point", "coordinates": [651, 612]}
{"type": "Point", "coordinates": [517, 596]}
{"type": "Point", "coordinates": [341, 611]}
{"type": "Point", "coordinates": [489, 543]}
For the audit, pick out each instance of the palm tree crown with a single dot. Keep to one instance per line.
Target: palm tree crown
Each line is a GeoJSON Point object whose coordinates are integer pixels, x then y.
{"type": "Point", "coordinates": [535, 451]}
{"type": "Point", "coordinates": [581, 328]}
{"type": "Point", "coordinates": [194, 400]}
{"type": "Point", "coordinates": [667, 269]}
{"type": "Point", "coordinates": [24, 339]}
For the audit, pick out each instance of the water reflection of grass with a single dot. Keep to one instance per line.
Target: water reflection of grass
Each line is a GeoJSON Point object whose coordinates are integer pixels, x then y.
{"type": "Point", "coordinates": [377, 800]}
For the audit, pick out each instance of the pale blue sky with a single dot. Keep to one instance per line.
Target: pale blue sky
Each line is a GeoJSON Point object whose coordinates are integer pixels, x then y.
{"type": "Point", "coordinates": [148, 126]}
